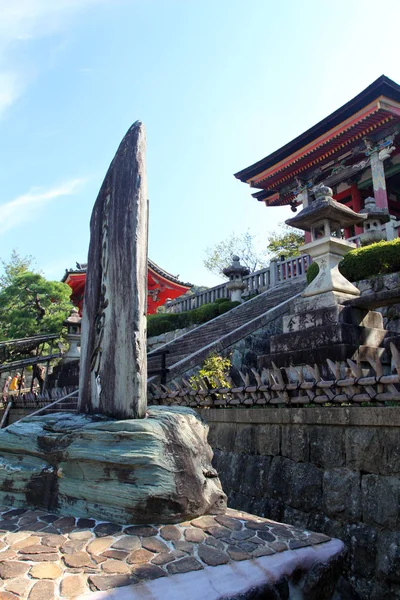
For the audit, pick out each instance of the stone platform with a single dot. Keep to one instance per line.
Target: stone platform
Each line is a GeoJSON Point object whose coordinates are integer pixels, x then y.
{"type": "Point", "coordinates": [156, 469]}
{"type": "Point", "coordinates": [44, 557]}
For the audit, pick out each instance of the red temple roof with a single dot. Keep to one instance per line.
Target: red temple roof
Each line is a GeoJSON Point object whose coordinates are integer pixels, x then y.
{"type": "Point", "coordinates": [377, 108]}
{"type": "Point", "coordinates": [162, 286]}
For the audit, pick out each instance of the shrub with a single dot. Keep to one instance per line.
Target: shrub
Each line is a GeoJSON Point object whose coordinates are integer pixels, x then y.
{"type": "Point", "coordinates": [367, 261]}
{"type": "Point", "coordinates": [312, 272]}
{"type": "Point", "coordinates": [204, 313]}
{"type": "Point", "coordinates": [163, 322]}
{"type": "Point", "coordinates": [221, 300]}
{"type": "Point", "coordinates": [375, 259]}
{"type": "Point", "coordinates": [216, 369]}
{"type": "Point", "coordinates": [160, 324]}
{"type": "Point", "coordinates": [223, 307]}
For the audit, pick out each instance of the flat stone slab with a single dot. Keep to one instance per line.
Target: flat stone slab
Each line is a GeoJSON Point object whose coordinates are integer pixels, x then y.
{"type": "Point", "coordinates": [109, 566]}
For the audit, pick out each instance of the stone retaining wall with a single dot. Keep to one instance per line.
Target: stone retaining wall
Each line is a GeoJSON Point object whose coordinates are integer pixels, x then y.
{"type": "Point", "coordinates": [332, 470]}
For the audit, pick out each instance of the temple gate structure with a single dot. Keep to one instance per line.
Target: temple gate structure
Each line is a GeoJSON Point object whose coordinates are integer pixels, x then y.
{"type": "Point", "coordinates": [355, 151]}
{"type": "Point", "coordinates": [161, 286]}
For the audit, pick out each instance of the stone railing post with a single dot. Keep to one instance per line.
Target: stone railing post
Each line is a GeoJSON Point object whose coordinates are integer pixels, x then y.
{"type": "Point", "coordinates": [273, 270]}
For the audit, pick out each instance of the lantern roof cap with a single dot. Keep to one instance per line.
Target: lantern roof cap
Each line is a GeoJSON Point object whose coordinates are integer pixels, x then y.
{"type": "Point", "coordinates": [371, 210]}
{"type": "Point", "coordinates": [74, 317]}
{"type": "Point", "coordinates": [236, 268]}
{"type": "Point", "coordinates": [325, 207]}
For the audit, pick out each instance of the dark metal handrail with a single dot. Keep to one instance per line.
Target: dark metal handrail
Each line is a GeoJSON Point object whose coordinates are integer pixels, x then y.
{"type": "Point", "coordinates": [30, 340]}
{"type": "Point", "coordinates": [26, 362]}
{"type": "Point", "coordinates": [163, 370]}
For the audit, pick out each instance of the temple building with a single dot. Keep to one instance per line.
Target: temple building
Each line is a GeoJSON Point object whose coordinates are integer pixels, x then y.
{"type": "Point", "coordinates": [162, 286]}
{"type": "Point", "coordinates": [355, 151]}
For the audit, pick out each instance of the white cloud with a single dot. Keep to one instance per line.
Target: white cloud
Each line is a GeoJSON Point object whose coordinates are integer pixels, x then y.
{"type": "Point", "coordinates": [9, 90]}
{"type": "Point", "coordinates": [23, 208]}
{"type": "Point", "coordinates": [21, 23]}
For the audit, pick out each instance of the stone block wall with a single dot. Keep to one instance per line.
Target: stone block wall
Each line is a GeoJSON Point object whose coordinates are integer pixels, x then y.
{"type": "Point", "coordinates": [380, 283]}
{"type": "Point", "coordinates": [332, 470]}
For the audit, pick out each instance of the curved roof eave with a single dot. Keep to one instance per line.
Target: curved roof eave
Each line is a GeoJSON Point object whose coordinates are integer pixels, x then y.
{"type": "Point", "coordinates": [383, 86]}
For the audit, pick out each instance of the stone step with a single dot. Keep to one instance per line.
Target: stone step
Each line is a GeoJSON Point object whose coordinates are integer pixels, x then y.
{"type": "Point", "coordinates": [206, 334]}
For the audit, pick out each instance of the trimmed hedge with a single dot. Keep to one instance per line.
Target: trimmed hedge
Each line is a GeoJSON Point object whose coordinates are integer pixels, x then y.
{"type": "Point", "coordinates": [367, 261]}
{"type": "Point", "coordinates": [312, 272]}
{"type": "Point", "coordinates": [161, 323]}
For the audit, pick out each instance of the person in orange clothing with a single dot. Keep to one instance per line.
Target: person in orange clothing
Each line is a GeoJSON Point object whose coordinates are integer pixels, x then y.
{"type": "Point", "coordinates": [14, 382]}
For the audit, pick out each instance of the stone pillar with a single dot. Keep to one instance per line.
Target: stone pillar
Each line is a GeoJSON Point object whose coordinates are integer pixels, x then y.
{"type": "Point", "coordinates": [236, 285]}
{"type": "Point", "coordinates": [304, 197]}
{"type": "Point", "coordinates": [357, 204]}
{"type": "Point", "coordinates": [378, 180]}
{"type": "Point", "coordinates": [273, 272]}
{"type": "Point", "coordinates": [378, 154]}
{"type": "Point", "coordinates": [113, 371]}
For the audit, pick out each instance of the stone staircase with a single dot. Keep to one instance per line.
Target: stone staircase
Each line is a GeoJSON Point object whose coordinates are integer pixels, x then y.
{"type": "Point", "coordinates": [68, 405]}
{"type": "Point", "coordinates": [190, 349]}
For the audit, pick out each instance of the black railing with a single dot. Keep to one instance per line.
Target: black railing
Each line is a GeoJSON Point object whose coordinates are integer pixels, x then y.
{"type": "Point", "coordinates": [162, 369]}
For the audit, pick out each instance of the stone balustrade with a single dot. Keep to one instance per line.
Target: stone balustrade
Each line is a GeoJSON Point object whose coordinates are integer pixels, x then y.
{"type": "Point", "coordinates": [276, 273]}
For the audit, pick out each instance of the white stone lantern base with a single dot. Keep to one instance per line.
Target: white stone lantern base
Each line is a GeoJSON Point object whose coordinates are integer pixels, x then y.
{"type": "Point", "coordinates": [74, 351]}
{"type": "Point", "coordinates": [236, 288]}
{"type": "Point", "coordinates": [327, 253]}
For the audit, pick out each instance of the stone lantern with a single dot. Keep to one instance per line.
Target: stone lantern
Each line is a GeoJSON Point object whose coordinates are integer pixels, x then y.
{"type": "Point", "coordinates": [321, 324]}
{"type": "Point", "coordinates": [236, 285]}
{"type": "Point", "coordinates": [73, 336]}
{"type": "Point", "coordinates": [325, 218]}
{"type": "Point", "coordinates": [375, 218]}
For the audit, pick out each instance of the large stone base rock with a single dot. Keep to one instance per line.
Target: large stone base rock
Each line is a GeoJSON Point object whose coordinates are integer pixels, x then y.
{"type": "Point", "coordinates": [156, 469]}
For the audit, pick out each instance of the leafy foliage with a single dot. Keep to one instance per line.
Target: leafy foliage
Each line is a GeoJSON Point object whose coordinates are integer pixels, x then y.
{"type": "Point", "coordinates": [367, 261]}
{"type": "Point", "coordinates": [16, 266]}
{"type": "Point", "coordinates": [216, 369]}
{"type": "Point", "coordinates": [381, 257]}
{"type": "Point", "coordinates": [312, 272]}
{"type": "Point", "coordinates": [243, 245]}
{"type": "Point", "coordinates": [31, 305]}
{"type": "Point", "coordinates": [285, 243]}
{"type": "Point", "coordinates": [161, 323]}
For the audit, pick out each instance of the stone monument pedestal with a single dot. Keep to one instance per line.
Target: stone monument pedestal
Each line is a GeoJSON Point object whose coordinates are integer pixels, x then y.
{"type": "Point", "coordinates": [152, 470]}
{"type": "Point", "coordinates": [329, 330]}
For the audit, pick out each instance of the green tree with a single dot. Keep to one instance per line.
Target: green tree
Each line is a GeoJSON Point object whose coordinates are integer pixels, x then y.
{"type": "Point", "coordinates": [285, 243]}
{"type": "Point", "coordinates": [17, 265]}
{"type": "Point", "coordinates": [243, 245]}
{"type": "Point", "coordinates": [31, 305]}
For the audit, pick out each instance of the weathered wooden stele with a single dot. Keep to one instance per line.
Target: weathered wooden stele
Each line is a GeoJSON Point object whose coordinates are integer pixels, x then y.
{"type": "Point", "coordinates": [113, 370]}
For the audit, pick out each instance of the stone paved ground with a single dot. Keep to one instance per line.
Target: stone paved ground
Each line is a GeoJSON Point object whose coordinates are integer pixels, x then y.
{"type": "Point", "coordinates": [45, 556]}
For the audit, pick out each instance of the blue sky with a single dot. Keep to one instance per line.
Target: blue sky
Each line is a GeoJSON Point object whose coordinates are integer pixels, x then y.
{"type": "Point", "coordinates": [219, 84]}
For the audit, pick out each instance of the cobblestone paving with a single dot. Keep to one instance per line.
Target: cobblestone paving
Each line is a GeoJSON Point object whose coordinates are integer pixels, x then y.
{"type": "Point", "coordinates": [45, 556]}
